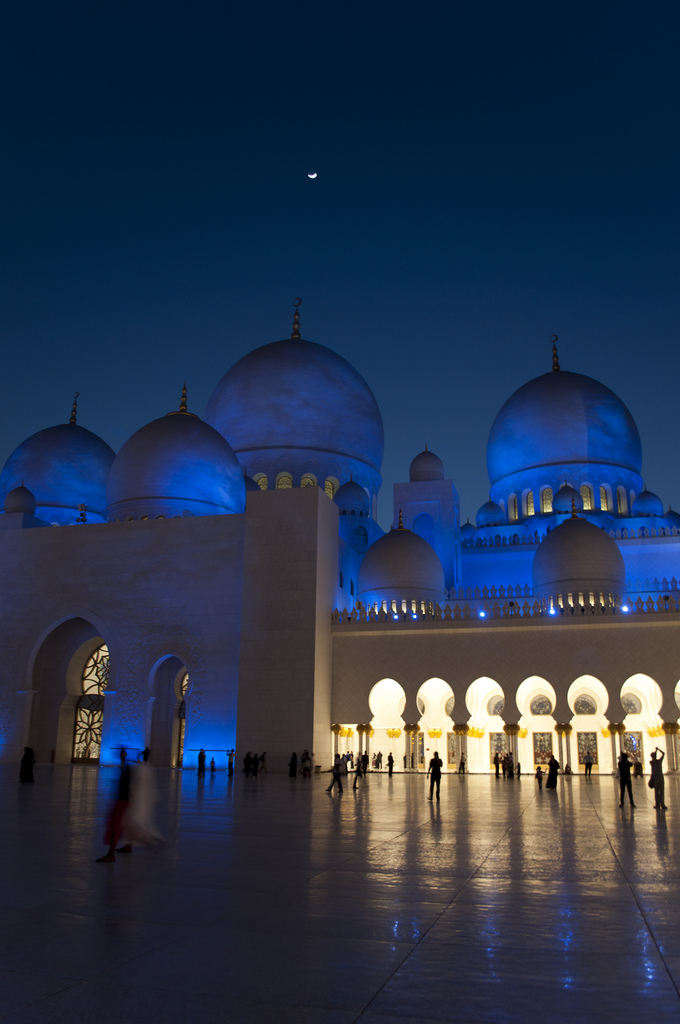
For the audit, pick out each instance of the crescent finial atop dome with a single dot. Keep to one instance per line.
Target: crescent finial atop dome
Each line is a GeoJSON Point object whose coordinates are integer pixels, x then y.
{"type": "Point", "coordinates": [74, 409]}
{"type": "Point", "coordinates": [296, 321]}
{"type": "Point", "coordinates": [400, 525]}
{"type": "Point", "coordinates": [183, 408]}
{"type": "Point", "coordinates": [555, 360]}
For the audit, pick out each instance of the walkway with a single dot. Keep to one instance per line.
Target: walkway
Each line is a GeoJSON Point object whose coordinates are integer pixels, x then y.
{"type": "Point", "coordinates": [276, 903]}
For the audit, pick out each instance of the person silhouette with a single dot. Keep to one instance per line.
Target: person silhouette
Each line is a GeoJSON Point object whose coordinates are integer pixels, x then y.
{"type": "Point", "coordinates": [435, 773]}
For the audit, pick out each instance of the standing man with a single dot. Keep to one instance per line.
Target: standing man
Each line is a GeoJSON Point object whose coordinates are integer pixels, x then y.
{"type": "Point", "coordinates": [364, 762]}
{"type": "Point", "coordinates": [588, 762]}
{"type": "Point", "coordinates": [230, 754]}
{"type": "Point", "coordinates": [435, 773]}
{"type": "Point", "coordinates": [390, 764]}
{"type": "Point", "coordinates": [201, 761]}
{"type": "Point", "coordinates": [624, 778]}
{"type": "Point", "coordinates": [497, 764]}
{"type": "Point", "coordinates": [657, 779]}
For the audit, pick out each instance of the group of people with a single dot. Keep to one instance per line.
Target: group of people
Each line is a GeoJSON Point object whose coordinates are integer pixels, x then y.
{"type": "Point", "coordinates": [253, 764]}
{"type": "Point", "coordinates": [305, 765]}
{"type": "Point", "coordinates": [656, 779]}
{"type": "Point", "coordinates": [506, 764]}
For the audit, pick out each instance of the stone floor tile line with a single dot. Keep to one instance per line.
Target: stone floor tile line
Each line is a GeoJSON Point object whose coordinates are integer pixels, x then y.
{"type": "Point", "coordinates": [444, 910]}
{"type": "Point", "coordinates": [641, 909]}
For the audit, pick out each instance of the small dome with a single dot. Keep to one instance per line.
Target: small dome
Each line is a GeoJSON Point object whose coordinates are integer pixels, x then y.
{"type": "Point", "coordinates": [20, 500]}
{"type": "Point", "coordinates": [401, 565]}
{"type": "Point", "coordinates": [426, 466]}
{"type": "Point", "coordinates": [468, 531]}
{"type": "Point", "coordinates": [490, 514]}
{"type": "Point", "coordinates": [352, 499]}
{"type": "Point", "coordinates": [566, 499]}
{"type": "Point", "coordinates": [175, 466]}
{"type": "Point", "coordinates": [673, 518]}
{"type": "Point", "coordinates": [251, 485]}
{"type": "Point", "coordinates": [64, 466]}
{"type": "Point", "coordinates": [647, 504]}
{"type": "Point", "coordinates": [578, 556]}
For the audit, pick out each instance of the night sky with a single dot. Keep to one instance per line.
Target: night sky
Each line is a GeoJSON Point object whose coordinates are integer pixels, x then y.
{"type": "Point", "coordinates": [489, 173]}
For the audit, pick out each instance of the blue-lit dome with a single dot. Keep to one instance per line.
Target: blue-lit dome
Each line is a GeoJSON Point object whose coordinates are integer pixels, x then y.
{"type": "Point", "coordinates": [175, 466]}
{"type": "Point", "coordinates": [426, 466]}
{"type": "Point", "coordinates": [468, 531]}
{"type": "Point", "coordinates": [64, 467]}
{"type": "Point", "coordinates": [558, 419]}
{"type": "Point", "coordinates": [401, 565]}
{"type": "Point", "coordinates": [352, 499]}
{"type": "Point", "coordinates": [647, 504]}
{"type": "Point", "coordinates": [578, 557]}
{"type": "Point", "coordinates": [296, 407]}
{"type": "Point", "coordinates": [490, 514]}
{"type": "Point", "coordinates": [672, 518]}
{"type": "Point", "coordinates": [20, 500]}
{"type": "Point", "coordinates": [567, 498]}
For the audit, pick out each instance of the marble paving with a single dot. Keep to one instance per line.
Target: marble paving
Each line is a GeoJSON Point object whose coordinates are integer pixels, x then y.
{"type": "Point", "coordinates": [273, 902]}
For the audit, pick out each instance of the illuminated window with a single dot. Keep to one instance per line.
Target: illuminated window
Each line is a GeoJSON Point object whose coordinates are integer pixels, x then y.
{"type": "Point", "coordinates": [585, 705]}
{"type": "Point", "coordinates": [541, 706]}
{"type": "Point", "coordinates": [631, 704]}
{"type": "Point", "coordinates": [308, 481]}
{"type": "Point", "coordinates": [587, 496]}
{"type": "Point", "coordinates": [604, 503]}
{"type": "Point", "coordinates": [530, 503]}
{"type": "Point", "coordinates": [495, 706]}
{"type": "Point", "coordinates": [87, 737]}
{"type": "Point", "coordinates": [329, 488]}
{"type": "Point", "coordinates": [284, 481]}
{"type": "Point", "coordinates": [262, 482]}
{"type": "Point", "coordinates": [621, 501]}
{"type": "Point", "coordinates": [546, 499]}
{"type": "Point", "coordinates": [512, 507]}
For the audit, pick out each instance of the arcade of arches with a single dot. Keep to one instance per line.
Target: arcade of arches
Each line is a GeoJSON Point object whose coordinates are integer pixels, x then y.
{"type": "Point", "coordinates": [478, 730]}
{"type": "Point", "coordinates": [74, 666]}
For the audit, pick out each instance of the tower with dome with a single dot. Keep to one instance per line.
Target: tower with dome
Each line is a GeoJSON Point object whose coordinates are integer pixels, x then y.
{"type": "Point", "coordinates": [223, 582]}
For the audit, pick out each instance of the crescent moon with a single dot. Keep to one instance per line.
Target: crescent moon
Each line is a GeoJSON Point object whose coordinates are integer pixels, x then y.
{"type": "Point", "coordinates": [312, 174]}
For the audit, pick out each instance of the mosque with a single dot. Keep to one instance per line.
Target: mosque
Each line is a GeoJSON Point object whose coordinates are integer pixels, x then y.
{"type": "Point", "coordinates": [223, 583]}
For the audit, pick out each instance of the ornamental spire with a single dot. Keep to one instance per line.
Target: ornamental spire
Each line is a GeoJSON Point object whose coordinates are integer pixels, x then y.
{"type": "Point", "coordinates": [74, 409]}
{"type": "Point", "coordinates": [296, 320]}
{"type": "Point", "coordinates": [400, 525]}
{"type": "Point", "coordinates": [183, 408]}
{"type": "Point", "coordinates": [555, 360]}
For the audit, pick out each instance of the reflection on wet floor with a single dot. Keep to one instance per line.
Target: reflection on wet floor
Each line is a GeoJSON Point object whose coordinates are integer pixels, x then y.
{"type": "Point", "coordinates": [273, 901]}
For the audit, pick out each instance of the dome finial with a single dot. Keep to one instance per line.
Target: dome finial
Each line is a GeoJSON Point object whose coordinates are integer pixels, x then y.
{"type": "Point", "coordinates": [296, 320]}
{"type": "Point", "coordinates": [183, 407]}
{"type": "Point", "coordinates": [573, 507]}
{"type": "Point", "coordinates": [74, 409]}
{"type": "Point", "coordinates": [555, 360]}
{"type": "Point", "coordinates": [400, 524]}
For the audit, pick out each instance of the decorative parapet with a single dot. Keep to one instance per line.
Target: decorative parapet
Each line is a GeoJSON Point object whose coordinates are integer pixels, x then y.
{"type": "Point", "coordinates": [534, 539]}
{"type": "Point", "coordinates": [411, 611]}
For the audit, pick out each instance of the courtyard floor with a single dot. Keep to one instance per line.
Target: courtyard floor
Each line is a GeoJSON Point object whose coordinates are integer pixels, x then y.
{"type": "Point", "coordinates": [273, 902]}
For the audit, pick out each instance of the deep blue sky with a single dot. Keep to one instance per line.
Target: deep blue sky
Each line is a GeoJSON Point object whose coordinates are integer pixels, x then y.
{"type": "Point", "coordinates": [489, 173]}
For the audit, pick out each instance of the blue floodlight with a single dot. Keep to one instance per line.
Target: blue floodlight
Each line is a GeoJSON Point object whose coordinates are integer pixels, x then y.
{"type": "Point", "coordinates": [482, 615]}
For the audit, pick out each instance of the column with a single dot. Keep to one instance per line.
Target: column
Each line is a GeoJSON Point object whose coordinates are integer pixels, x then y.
{"type": "Point", "coordinates": [671, 730]}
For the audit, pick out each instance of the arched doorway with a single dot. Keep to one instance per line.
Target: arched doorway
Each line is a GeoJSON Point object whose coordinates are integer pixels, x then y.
{"type": "Point", "coordinates": [69, 682]}
{"type": "Point", "coordinates": [170, 688]}
{"type": "Point", "coordinates": [387, 701]}
{"type": "Point", "coordinates": [435, 702]}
